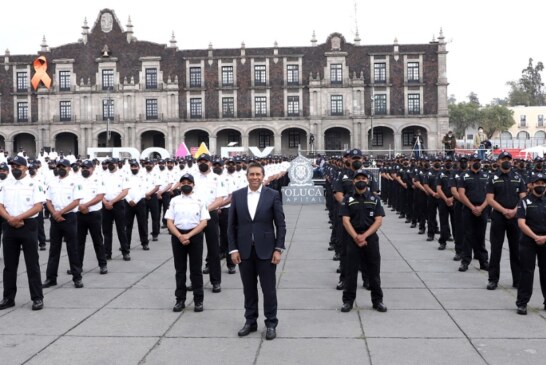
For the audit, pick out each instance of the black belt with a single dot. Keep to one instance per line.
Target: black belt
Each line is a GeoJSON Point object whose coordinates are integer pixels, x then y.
{"type": "Point", "coordinates": [184, 231]}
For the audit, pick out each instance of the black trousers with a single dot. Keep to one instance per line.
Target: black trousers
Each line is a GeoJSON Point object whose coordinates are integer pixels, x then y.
{"type": "Point", "coordinates": [474, 236]}
{"type": "Point", "coordinates": [117, 215]}
{"type": "Point", "coordinates": [67, 229]}
{"type": "Point", "coordinates": [212, 233]}
{"type": "Point", "coordinates": [181, 253]}
{"type": "Point", "coordinates": [41, 230]}
{"type": "Point", "coordinates": [499, 226]}
{"type": "Point", "coordinates": [410, 214]}
{"type": "Point", "coordinates": [447, 216]}
{"type": "Point", "coordinates": [529, 253]}
{"type": "Point", "coordinates": [152, 208]}
{"type": "Point", "coordinates": [164, 204]}
{"type": "Point", "coordinates": [13, 240]}
{"type": "Point", "coordinates": [457, 225]}
{"type": "Point", "coordinates": [223, 223]}
{"type": "Point", "coordinates": [371, 257]}
{"type": "Point", "coordinates": [139, 210]}
{"type": "Point", "coordinates": [420, 199]}
{"type": "Point", "coordinates": [251, 269]}
{"type": "Point", "coordinates": [432, 211]}
{"type": "Point", "coordinates": [92, 223]}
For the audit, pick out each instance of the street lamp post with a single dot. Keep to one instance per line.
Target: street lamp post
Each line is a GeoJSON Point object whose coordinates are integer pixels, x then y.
{"type": "Point", "coordinates": [370, 143]}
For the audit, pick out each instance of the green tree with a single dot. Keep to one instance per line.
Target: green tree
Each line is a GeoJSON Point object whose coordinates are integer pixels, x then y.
{"type": "Point", "coordinates": [528, 89]}
{"type": "Point", "coordinates": [463, 115]}
{"type": "Point", "coordinates": [473, 98]}
{"type": "Point", "coordinates": [496, 118]}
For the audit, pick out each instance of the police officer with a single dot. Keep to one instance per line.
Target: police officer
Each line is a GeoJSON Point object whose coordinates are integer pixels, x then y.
{"type": "Point", "coordinates": [20, 202]}
{"type": "Point", "coordinates": [62, 199]}
{"type": "Point", "coordinates": [504, 190]}
{"type": "Point", "coordinates": [167, 178]}
{"type": "Point", "coordinates": [532, 222]}
{"type": "Point", "coordinates": [186, 218]}
{"type": "Point", "coordinates": [472, 193]}
{"type": "Point", "coordinates": [445, 203]}
{"type": "Point", "coordinates": [135, 206]}
{"type": "Point", "coordinates": [152, 204]}
{"type": "Point", "coordinates": [4, 173]}
{"type": "Point", "coordinates": [90, 214]}
{"type": "Point", "coordinates": [362, 215]}
{"type": "Point", "coordinates": [458, 230]}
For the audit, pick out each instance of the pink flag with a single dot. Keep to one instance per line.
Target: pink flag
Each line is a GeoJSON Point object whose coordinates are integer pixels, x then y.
{"type": "Point", "coordinates": [182, 150]}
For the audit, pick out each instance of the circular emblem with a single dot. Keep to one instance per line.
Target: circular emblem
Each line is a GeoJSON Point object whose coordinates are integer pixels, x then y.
{"type": "Point", "coordinates": [300, 172]}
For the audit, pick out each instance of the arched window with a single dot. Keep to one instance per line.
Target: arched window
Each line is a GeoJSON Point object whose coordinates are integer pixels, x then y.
{"type": "Point", "coordinates": [523, 135]}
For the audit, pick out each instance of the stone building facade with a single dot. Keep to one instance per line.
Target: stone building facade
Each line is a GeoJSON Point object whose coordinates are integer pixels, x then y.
{"type": "Point", "coordinates": [110, 89]}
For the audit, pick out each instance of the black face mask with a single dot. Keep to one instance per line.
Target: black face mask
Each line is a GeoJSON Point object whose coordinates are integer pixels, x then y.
{"type": "Point", "coordinates": [463, 165]}
{"type": "Point", "coordinates": [427, 166]}
{"type": "Point", "coordinates": [149, 168]}
{"type": "Point", "coordinates": [231, 169]}
{"type": "Point", "coordinates": [437, 165]}
{"type": "Point", "coordinates": [361, 185]}
{"type": "Point", "coordinates": [181, 167]}
{"type": "Point", "coordinates": [104, 167]}
{"type": "Point", "coordinates": [356, 165]}
{"type": "Point", "coordinates": [56, 172]}
{"type": "Point", "coordinates": [3, 176]}
{"type": "Point", "coordinates": [134, 171]}
{"type": "Point", "coordinates": [203, 167]}
{"type": "Point", "coordinates": [162, 168]}
{"type": "Point", "coordinates": [86, 173]}
{"type": "Point", "coordinates": [217, 170]}
{"type": "Point", "coordinates": [111, 167]}
{"type": "Point", "coordinates": [120, 166]}
{"type": "Point", "coordinates": [538, 166]}
{"type": "Point", "coordinates": [449, 166]}
{"type": "Point", "coordinates": [539, 190]}
{"type": "Point", "coordinates": [190, 163]}
{"type": "Point", "coordinates": [238, 168]}
{"type": "Point", "coordinates": [521, 166]}
{"type": "Point", "coordinates": [476, 166]}
{"type": "Point", "coordinates": [170, 168]}
{"type": "Point", "coordinates": [62, 172]}
{"type": "Point", "coordinates": [75, 168]}
{"type": "Point", "coordinates": [506, 165]}
{"type": "Point", "coordinates": [186, 189]}
{"type": "Point", "coordinates": [244, 168]}
{"type": "Point", "coordinates": [17, 173]}
{"type": "Point", "coordinates": [32, 172]}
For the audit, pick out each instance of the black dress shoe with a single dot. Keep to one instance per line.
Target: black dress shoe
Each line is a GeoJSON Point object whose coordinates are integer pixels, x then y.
{"type": "Point", "coordinates": [189, 288]}
{"type": "Point", "coordinates": [179, 306]}
{"type": "Point", "coordinates": [206, 270]}
{"type": "Point", "coordinates": [37, 304]}
{"type": "Point", "coordinates": [198, 307]}
{"type": "Point", "coordinates": [522, 309]}
{"type": "Point", "coordinates": [108, 257]}
{"type": "Point", "coordinates": [430, 238]}
{"type": "Point", "coordinates": [154, 238]}
{"type": "Point", "coordinates": [492, 285]}
{"type": "Point", "coordinates": [247, 328]}
{"type": "Point", "coordinates": [346, 307]}
{"type": "Point", "coordinates": [7, 303]}
{"type": "Point", "coordinates": [380, 307]}
{"type": "Point", "coordinates": [42, 247]}
{"type": "Point", "coordinates": [421, 231]}
{"type": "Point", "coordinates": [126, 257]}
{"type": "Point", "coordinates": [103, 270]}
{"type": "Point", "coordinates": [336, 257]}
{"type": "Point", "coordinates": [463, 267]}
{"type": "Point", "coordinates": [515, 284]}
{"type": "Point", "coordinates": [68, 272]}
{"type": "Point", "coordinates": [340, 285]}
{"type": "Point", "coordinates": [442, 246]}
{"type": "Point", "coordinates": [145, 247]}
{"type": "Point", "coordinates": [457, 257]}
{"type": "Point", "coordinates": [78, 284]}
{"type": "Point", "coordinates": [216, 288]}
{"type": "Point", "coordinates": [413, 225]}
{"type": "Point", "coordinates": [338, 270]}
{"type": "Point", "coordinates": [331, 247]}
{"type": "Point", "coordinates": [231, 270]}
{"type": "Point", "coordinates": [270, 333]}
{"type": "Point", "coordinates": [49, 283]}
{"type": "Point", "coordinates": [450, 239]}
{"type": "Point", "coordinates": [484, 266]}
{"type": "Point", "coordinates": [437, 231]}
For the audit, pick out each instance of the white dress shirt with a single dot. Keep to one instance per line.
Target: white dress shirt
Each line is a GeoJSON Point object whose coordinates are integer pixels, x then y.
{"type": "Point", "coordinates": [187, 211]}
{"type": "Point", "coordinates": [18, 196]}
{"type": "Point", "coordinates": [253, 198]}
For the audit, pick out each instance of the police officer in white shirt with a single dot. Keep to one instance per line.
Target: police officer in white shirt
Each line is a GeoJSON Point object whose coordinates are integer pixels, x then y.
{"type": "Point", "coordinates": [62, 199]}
{"type": "Point", "coordinates": [231, 184]}
{"type": "Point", "coordinates": [4, 173]}
{"type": "Point", "coordinates": [186, 218]}
{"type": "Point", "coordinates": [135, 205]}
{"type": "Point", "coordinates": [33, 171]}
{"type": "Point", "coordinates": [152, 204]}
{"type": "Point", "coordinates": [167, 179]}
{"type": "Point", "coordinates": [20, 201]}
{"type": "Point", "coordinates": [90, 214]}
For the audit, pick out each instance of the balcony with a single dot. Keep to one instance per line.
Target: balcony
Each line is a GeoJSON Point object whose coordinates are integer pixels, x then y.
{"type": "Point", "coordinates": [104, 118]}
{"type": "Point", "coordinates": [63, 118]}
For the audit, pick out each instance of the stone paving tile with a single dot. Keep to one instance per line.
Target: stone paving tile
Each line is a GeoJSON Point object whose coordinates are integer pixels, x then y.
{"type": "Point", "coordinates": [80, 298]}
{"type": "Point", "coordinates": [19, 348]}
{"type": "Point", "coordinates": [475, 298]}
{"type": "Point", "coordinates": [513, 351]}
{"type": "Point", "coordinates": [56, 321]}
{"type": "Point", "coordinates": [404, 299]}
{"type": "Point", "coordinates": [232, 321]}
{"type": "Point", "coordinates": [305, 323]}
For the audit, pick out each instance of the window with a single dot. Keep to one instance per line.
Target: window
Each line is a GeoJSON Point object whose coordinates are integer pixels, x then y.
{"type": "Point", "coordinates": [264, 139]}
{"type": "Point", "coordinates": [523, 121]}
{"type": "Point", "coordinates": [380, 104]}
{"type": "Point", "coordinates": [107, 109]}
{"type": "Point", "coordinates": [523, 135]}
{"type": "Point", "coordinates": [413, 71]}
{"type": "Point", "coordinates": [377, 137]}
{"type": "Point", "coordinates": [234, 137]}
{"type": "Point", "coordinates": [65, 112]}
{"type": "Point", "coordinates": [293, 139]}
{"type": "Point", "coordinates": [259, 75]}
{"type": "Point", "coordinates": [380, 72]}
{"type": "Point", "coordinates": [195, 76]}
{"type": "Point", "coordinates": [22, 81]}
{"type": "Point", "coordinates": [107, 79]}
{"type": "Point", "coordinates": [151, 78]}
{"type": "Point", "coordinates": [414, 104]}
{"type": "Point", "coordinates": [227, 75]}
{"type": "Point", "coordinates": [22, 112]}
{"type": "Point", "coordinates": [260, 106]}
{"type": "Point", "coordinates": [407, 138]}
{"type": "Point", "coordinates": [64, 80]}
{"type": "Point", "coordinates": [540, 120]}
{"type": "Point", "coordinates": [151, 109]}
{"type": "Point", "coordinates": [293, 74]}
{"type": "Point", "coordinates": [336, 104]}
{"type": "Point", "coordinates": [228, 107]}
{"type": "Point", "coordinates": [293, 106]}
{"type": "Point", "coordinates": [195, 108]}
{"type": "Point", "coordinates": [336, 73]}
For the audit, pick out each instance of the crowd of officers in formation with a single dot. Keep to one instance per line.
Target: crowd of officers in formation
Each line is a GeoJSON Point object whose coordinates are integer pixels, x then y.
{"type": "Point", "coordinates": [189, 197]}
{"type": "Point", "coordinates": [464, 192]}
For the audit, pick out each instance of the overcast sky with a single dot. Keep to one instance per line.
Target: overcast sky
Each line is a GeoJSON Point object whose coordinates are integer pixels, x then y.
{"type": "Point", "coordinates": [489, 43]}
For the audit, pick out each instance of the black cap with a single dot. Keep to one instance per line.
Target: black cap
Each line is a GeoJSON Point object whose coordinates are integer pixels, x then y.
{"type": "Point", "coordinates": [18, 160]}
{"type": "Point", "coordinates": [355, 152]}
{"type": "Point", "coordinates": [64, 162]}
{"type": "Point", "coordinates": [188, 177]}
{"type": "Point", "coordinates": [504, 154]}
{"type": "Point", "coordinates": [113, 160]}
{"type": "Point", "coordinates": [203, 156]}
{"type": "Point", "coordinates": [218, 162]}
{"type": "Point", "coordinates": [475, 157]}
{"type": "Point", "coordinates": [537, 177]}
{"type": "Point", "coordinates": [88, 164]}
{"type": "Point", "coordinates": [4, 166]}
{"type": "Point", "coordinates": [133, 162]}
{"type": "Point", "coordinates": [463, 158]}
{"type": "Point", "coordinates": [362, 172]}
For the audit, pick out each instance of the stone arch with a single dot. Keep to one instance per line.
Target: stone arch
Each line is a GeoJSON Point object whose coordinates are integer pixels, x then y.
{"type": "Point", "coordinates": [115, 139]}
{"type": "Point", "coordinates": [383, 139]}
{"type": "Point", "coordinates": [408, 133]}
{"type": "Point", "coordinates": [337, 138]}
{"type": "Point", "coordinates": [262, 137]}
{"type": "Point", "coordinates": [26, 141]}
{"type": "Point", "coordinates": [292, 138]}
{"type": "Point", "coordinates": [228, 135]}
{"type": "Point", "coordinates": [66, 142]}
{"type": "Point", "coordinates": [152, 138]}
{"type": "Point", "coordinates": [193, 137]}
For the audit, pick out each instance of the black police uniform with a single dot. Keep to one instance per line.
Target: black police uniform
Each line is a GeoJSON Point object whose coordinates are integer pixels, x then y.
{"type": "Point", "coordinates": [446, 213]}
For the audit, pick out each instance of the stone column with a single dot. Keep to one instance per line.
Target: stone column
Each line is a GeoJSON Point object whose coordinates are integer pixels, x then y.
{"type": "Point", "coordinates": [397, 142]}
{"type": "Point", "coordinates": [212, 144]}
{"type": "Point", "coordinates": [245, 140]}
{"type": "Point", "coordinates": [277, 144]}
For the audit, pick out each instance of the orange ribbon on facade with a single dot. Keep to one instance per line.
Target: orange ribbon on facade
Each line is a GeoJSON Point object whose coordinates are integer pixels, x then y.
{"type": "Point", "coordinates": [40, 66]}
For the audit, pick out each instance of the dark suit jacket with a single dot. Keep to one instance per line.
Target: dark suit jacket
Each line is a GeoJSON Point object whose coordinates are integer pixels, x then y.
{"type": "Point", "coordinates": [269, 218]}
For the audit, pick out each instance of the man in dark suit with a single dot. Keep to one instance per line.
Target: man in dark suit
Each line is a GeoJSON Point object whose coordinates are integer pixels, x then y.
{"type": "Point", "coordinates": [256, 232]}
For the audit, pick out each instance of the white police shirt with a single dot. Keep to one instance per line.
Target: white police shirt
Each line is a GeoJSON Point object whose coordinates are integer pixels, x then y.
{"type": "Point", "coordinates": [114, 183]}
{"type": "Point", "coordinates": [209, 187]}
{"type": "Point", "coordinates": [62, 192]}
{"type": "Point", "coordinates": [18, 196]}
{"type": "Point", "coordinates": [137, 189]}
{"type": "Point", "coordinates": [187, 211]}
{"type": "Point", "coordinates": [91, 187]}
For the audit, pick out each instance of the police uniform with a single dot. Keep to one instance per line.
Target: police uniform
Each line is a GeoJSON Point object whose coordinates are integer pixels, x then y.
{"type": "Point", "coordinates": [458, 228]}
{"type": "Point", "coordinates": [4, 179]}
{"type": "Point", "coordinates": [16, 198]}
{"type": "Point", "coordinates": [152, 204]}
{"type": "Point", "coordinates": [186, 212]}
{"type": "Point", "coordinates": [446, 212]}
{"type": "Point", "coordinates": [362, 209]}
{"type": "Point", "coordinates": [135, 206]}
{"type": "Point", "coordinates": [531, 212]}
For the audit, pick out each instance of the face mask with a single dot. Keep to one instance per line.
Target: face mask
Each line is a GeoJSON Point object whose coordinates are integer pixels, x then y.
{"type": "Point", "coordinates": [104, 167]}
{"type": "Point", "coordinates": [356, 165]}
{"type": "Point", "coordinates": [361, 185]}
{"type": "Point", "coordinates": [203, 167]}
{"type": "Point", "coordinates": [111, 167]}
{"type": "Point", "coordinates": [181, 167]}
{"type": "Point", "coordinates": [231, 169]}
{"type": "Point", "coordinates": [450, 135]}
{"type": "Point", "coordinates": [506, 165]}
{"type": "Point", "coordinates": [186, 189]}
{"type": "Point", "coordinates": [538, 166]}
{"type": "Point", "coordinates": [190, 163]}
{"type": "Point", "coordinates": [437, 165]}
{"type": "Point", "coordinates": [244, 168]}
{"type": "Point", "coordinates": [449, 166]}
{"type": "Point", "coordinates": [170, 168]}
{"type": "Point", "coordinates": [3, 176]}
{"type": "Point", "coordinates": [86, 173]}
{"type": "Point", "coordinates": [32, 172]}
{"type": "Point", "coordinates": [427, 166]}
{"type": "Point", "coordinates": [161, 168]}
{"type": "Point", "coordinates": [17, 173]}
{"type": "Point", "coordinates": [134, 171]}
{"type": "Point", "coordinates": [149, 168]}
{"type": "Point", "coordinates": [217, 170]}
{"type": "Point", "coordinates": [238, 168]}
{"type": "Point", "coordinates": [62, 172]}
{"type": "Point", "coordinates": [539, 190]}
{"type": "Point", "coordinates": [476, 166]}
{"type": "Point", "coordinates": [120, 166]}
{"type": "Point", "coordinates": [56, 172]}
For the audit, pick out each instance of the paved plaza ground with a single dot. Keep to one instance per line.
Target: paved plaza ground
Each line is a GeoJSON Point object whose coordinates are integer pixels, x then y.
{"type": "Point", "coordinates": [436, 314]}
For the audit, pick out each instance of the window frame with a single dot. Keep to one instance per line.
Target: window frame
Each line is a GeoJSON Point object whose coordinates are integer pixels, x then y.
{"type": "Point", "coordinates": [414, 104]}
{"type": "Point", "coordinates": [260, 75]}
{"type": "Point", "coordinates": [293, 105]}
{"type": "Point", "coordinates": [22, 111]}
{"type": "Point", "coordinates": [264, 138]}
{"type": "Point", "coordinates": [380, 104]}
{"type": "Point", "coordinates": [380, 72]}
{"type": "Point", "coordinates": [196, 108]}
{"type": "Point", "coordinates": [292, 74]}
{"type": "Point", "coordinates": [65, 111]}
{"type": "Point", "coordinates": [108, 109]}
{"type": "Point", "coordinates": [294, 139]}
{"type": "Point", "coordinates": [227, 76]}
{"type": "Point", "coordinates": [22, 81]}
{"type": "Point", "coordinates": [336, 74]}
{"type": "Point", "coordinates": [260, 106]}
{"type": "Point", "coordinates": [228, 101]}
{"type": "Point", "coordinates": [336, 105]}
{"type": "Point", "coordinates": [108, 79]}
{"type": "Point", "coordinates": [64, 80]}
{"type": "Point", "coordinates": [152, 111]}
{"type": "Point", "coordinates": [151, 78]}
{"type": "Point", "coordinates": [196, 78]}
{"type": "Point", "coordinates": [412, 69]}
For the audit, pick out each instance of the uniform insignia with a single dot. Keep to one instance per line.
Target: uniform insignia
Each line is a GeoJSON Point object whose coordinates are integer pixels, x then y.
{"type": "Point", "coordinates": [529, 201]}
{"type": "Point", "coordinates": [40, 188]}
{"type": "Point", "coordinates": [31, 184]}
{"type": "Point", "coordinates": [28, 199]}
{"type": "Point", "coordinates": [351, 199]}
{"type": "Point", "coordinates": [372, 198]}
{"type": "Point", "coordinates": [71, 184]}
{"type": "Point", "coordinates": [466, 175]}
{"type": "Point", "coordinates": [495, 177]}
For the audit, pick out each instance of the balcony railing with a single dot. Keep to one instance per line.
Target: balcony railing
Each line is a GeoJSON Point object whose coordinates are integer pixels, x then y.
{"type": "Point", "coordinates": [63, 118]}
{"type": "Point", "coordinates": [104, 118]}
